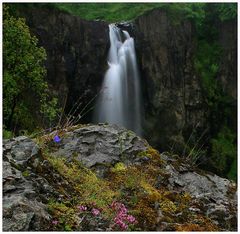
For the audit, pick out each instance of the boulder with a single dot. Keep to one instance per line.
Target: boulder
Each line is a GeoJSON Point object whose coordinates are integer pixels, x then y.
{"type": "Point", "coordinates": [99, 144]}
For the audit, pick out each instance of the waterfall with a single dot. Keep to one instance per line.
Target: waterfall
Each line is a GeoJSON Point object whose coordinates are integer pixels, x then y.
{"type": "Point", "coordinates": [119, 99]}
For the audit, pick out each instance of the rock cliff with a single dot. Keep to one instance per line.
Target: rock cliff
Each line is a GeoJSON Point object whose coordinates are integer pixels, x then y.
{"type": "Point", "coordinates": [105, 178]}
{"type": "Point", "coordinates": [76, 52]}
{"type": "Point", "coordinates": [227, 31]}
{"type": "Point", "coordinates": [173, 91]}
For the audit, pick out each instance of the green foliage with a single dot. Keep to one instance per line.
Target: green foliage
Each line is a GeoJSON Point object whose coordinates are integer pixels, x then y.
{"type": "Point", "coordinates": [24, 88]}
{"type": "Point", "coordinates": [111, 12]}
{"type": "Point", "coordinates": [25, 173]}
{"type": "Point", "coordinates": [65, 215]}
{"type": "Point", "coordinates": [119, 167]}
{"type": "Point", "coordinates": [7, 134]}
{"type": "Point", "coordinates": [207, 64]}
{"type": "Point", "coordinates": [227, 11]}
{"type": "Point", "coordinates": [224, 152]}
{"type": "Point", "coordinates": [232, 174]}
{"type": "Point", "coordinates": [134, 186]}
{"type": "Point", "coordinates": [115, 12]}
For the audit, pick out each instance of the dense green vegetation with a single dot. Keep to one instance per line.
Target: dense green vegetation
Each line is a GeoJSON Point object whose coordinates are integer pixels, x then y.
{"type": "Point", "coordinates": [116, 12]}
{"type": "Point", "coordinates": [222, 146]}
{"type": "Point", "coordinates": [26, 100]}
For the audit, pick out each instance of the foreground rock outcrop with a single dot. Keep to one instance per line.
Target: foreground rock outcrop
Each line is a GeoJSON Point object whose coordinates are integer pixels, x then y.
{"type": "Point", "coordinates": [80, 182]}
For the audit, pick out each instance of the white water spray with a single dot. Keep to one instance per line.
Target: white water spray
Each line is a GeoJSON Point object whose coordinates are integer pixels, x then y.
{"type": "Point", "coordinates": [119, 100]}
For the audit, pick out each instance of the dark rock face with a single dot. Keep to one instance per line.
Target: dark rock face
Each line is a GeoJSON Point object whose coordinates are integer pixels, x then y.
{"type": "Point", "coordinates": [228, 67]}
{"type": "Point", "coordinates": [76, 52]}
{"type": "Point", "coordinates": [30, 181]}
{"type": "Point", "coordinates": [173, 95]}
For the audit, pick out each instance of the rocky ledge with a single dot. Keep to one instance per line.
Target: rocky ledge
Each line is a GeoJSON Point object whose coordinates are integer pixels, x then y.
{"type": "Point", "coordinates": [105, 178]}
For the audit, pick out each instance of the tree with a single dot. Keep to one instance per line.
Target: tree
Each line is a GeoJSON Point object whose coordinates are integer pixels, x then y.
{"type": "Point", "coordinates": [26, 98]}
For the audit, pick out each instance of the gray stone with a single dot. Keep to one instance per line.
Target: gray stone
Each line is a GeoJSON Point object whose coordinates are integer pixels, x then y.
{"type": "Point", "coordinates": [23, 209]}
{"type": "Point", "coordinates": [101, 144]}
{"type": "Point", "coordinates": [216, 194]}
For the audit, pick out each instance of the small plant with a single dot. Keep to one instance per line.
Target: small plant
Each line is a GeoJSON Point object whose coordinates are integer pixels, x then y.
{"type": "Point", "coordinates": [194, 155]}
{"type": "Point", "coordinates": [122, 219]}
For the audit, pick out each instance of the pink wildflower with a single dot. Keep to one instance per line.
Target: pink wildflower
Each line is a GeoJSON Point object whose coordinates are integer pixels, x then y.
{"type": "Point", "coordinates": [55, 222]}
{"type": "Point", "coordinates": [82, 208]}
{"type": "Point", "coordinates": [124, 226]}
{"type": "Point", "coordinates": [95, 211]}
{"type": "Point", "coordinates": [131, 219]}
{"type": "Point", "coordinates": [122, 215]}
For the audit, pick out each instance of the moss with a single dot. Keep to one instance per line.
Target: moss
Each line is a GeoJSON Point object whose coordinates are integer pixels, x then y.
{"type": "Point", "coordinates": [86, 184]}
{"type": "Point", "coordinates": [168, 206]}
{"type": "Point", "coordinates": [65, 215]}
{"type": "Point", "coordinates": [152, 154]}
{"type": "Point", "coordinates": [152, 193]}
{"type": "Point", "coordinates": [146, 214]}
{"type": "Point", "coordinates": [25, 173]}
{"type": "Point", "coordinates": [188, 228]}
{"type": "Point", "coordinates": [118, 167]}
{"type": "Point", "coordinates": [198, 224]}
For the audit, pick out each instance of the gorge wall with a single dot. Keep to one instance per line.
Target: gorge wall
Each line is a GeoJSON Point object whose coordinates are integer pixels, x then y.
{"type": "Point", "coordinates": [228, 67]}
{"type": "Point", "coordinates": [173, 97]}
{"type": "Point", "coordinates": [76, 52]}
{"type": "Point", "coordinates": [173, 92]}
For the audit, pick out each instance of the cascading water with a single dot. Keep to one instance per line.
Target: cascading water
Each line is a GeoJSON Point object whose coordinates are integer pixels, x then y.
{"type": "Point", "coordinates": [119, 100]}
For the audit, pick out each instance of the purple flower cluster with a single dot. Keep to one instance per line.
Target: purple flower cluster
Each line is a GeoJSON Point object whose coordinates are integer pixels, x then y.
{"type": "Point", "coordinates": [55, 222]}
{"type": "Point", "coordinates": [122, 218]}
{"type": "Point", "coordinates": [95, 212]}
{"type": "Point", "coordinates": [82, 208]}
